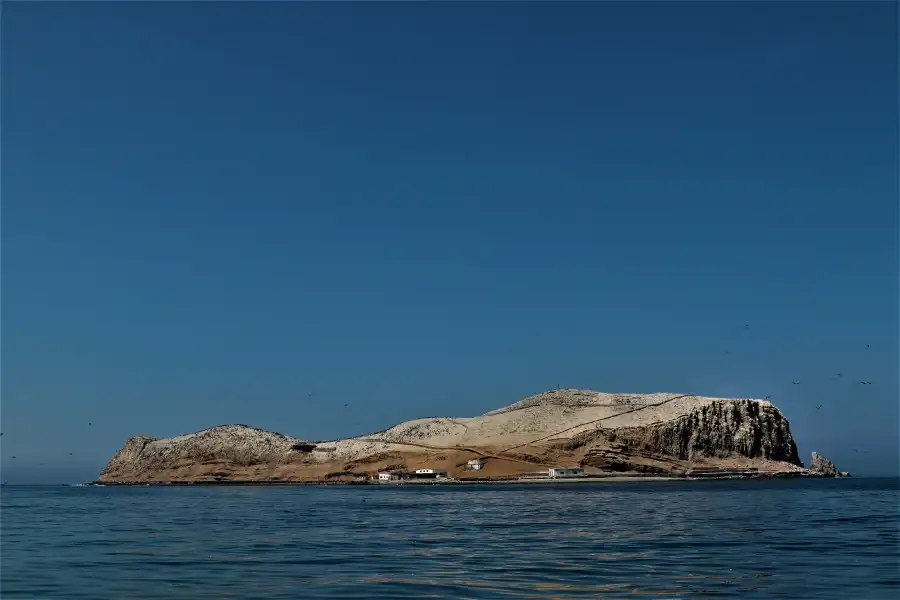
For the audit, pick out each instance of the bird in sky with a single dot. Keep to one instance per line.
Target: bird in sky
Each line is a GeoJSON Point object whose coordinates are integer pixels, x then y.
{"type": "Point", "coordinates": [767, 397]}
{"type": "Point", "coordinates": [346, 405]}
{"type": "Point", "coordinates": [840, 374]}
{"type": "Point", "coordinates": [796, 382]}
{"type": "Point", "coordinates": [819, 406]}
{"type": "Point", "coordinates": [865, 383]}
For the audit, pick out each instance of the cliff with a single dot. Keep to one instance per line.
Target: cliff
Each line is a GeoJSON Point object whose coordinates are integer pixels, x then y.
{"type": "Point", "coordinates": [649, 433]}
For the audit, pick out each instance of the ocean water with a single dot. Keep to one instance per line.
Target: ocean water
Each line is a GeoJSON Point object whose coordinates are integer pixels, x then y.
{"type": "Point", "coordinates": [794, 539]}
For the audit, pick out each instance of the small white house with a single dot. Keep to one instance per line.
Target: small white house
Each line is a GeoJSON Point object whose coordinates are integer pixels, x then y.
{"type": "Point", "coordinates": [388, 476]}
{"type": "Point", "coordinates": [431, 473]}
{"type": "Point", "coordinates": [566, 472]}
{"type": "Point", "coordinates": [475, 464]}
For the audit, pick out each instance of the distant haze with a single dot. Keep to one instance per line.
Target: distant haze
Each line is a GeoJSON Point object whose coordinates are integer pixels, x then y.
{"type": "Point", "coordinates": [327, 218]}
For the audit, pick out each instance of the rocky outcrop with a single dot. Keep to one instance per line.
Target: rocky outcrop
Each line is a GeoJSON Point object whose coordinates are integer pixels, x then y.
{"type": "Point", "coordinates": [641, 433]}
{"type": "Point", "coordinates": [822, 467]}
{"type": "Point", "coordinates": [235, 445]}
{"type": "Point", "coordinates": [721, 429]}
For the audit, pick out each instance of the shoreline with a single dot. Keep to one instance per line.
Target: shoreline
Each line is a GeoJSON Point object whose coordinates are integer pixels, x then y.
{"type": "Point", "coordinates": [525, 480]}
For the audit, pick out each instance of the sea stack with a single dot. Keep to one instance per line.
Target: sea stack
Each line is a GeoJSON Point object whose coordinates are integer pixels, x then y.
{"type": "Point", "coordinates": [822, 467]}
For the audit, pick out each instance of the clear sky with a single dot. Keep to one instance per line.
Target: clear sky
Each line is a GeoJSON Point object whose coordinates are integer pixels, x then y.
{"type": "Point", "coordinates": [258, 213]}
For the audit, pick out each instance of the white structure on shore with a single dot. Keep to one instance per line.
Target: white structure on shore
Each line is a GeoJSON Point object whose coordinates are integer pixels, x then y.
{"type": "Point", "coordinates": [566, 472]}
{"type": "Point", "coordinates": [388, 476]}
{"type": "Point", "coordinates": [431, 474]}
{"type": "Point", "coordinates": [475, 464]}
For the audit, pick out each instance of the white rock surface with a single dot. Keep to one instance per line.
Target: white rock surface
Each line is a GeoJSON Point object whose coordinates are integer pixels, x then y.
{"type": "Point", "coordinates": [681, 426]}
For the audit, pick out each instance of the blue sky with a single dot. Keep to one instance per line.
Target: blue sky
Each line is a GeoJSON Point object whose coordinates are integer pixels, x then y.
{"type": "Point", "coordinates": [213, 210]}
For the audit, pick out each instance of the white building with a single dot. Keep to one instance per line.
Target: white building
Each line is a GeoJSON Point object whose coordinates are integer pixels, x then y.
{"type": "Point", "coordinates": [431, 473]}
{"type": "Point", "coordinates": [475, 464]}
{"type": "Point", "coordinates": [388, 476]}
{"type": "Point", "coordinates": [566, 472]}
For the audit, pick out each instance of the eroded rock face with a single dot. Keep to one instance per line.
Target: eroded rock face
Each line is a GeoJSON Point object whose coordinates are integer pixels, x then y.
{"type": "Point", "coordinates": [819, 465]}
{"type": "Point", "coordinates": [721, 429]}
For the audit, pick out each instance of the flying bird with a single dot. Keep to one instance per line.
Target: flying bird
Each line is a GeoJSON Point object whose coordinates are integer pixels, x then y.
{"type": "Point", "coordinates": [767, 397]}
{"type": "Point", "coordinates": [346, 405]}
{"type": "Point", "coordinates": [70, 454]}
{"type": "Point", "coordinates": [865, 382]}
{"type": "Point", "coordinates": [796, 382]}
{"type": "Point", "coordinates": [819, 406]}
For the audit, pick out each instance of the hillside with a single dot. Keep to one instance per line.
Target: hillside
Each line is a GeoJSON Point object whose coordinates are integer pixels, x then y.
{"type": "Point", "coordinates": [648, 433]}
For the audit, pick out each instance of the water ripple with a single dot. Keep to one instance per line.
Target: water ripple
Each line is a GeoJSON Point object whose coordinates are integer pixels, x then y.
{"type": "Point", "coordinates": [799, 539]}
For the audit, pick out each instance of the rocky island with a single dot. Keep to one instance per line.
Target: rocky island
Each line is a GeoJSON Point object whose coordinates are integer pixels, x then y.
{"type": "Point", "coordinates": [670, 435]}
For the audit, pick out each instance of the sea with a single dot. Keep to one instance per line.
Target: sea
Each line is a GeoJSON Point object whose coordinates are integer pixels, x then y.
{"type": "Point", "coordinates": [796, 539]}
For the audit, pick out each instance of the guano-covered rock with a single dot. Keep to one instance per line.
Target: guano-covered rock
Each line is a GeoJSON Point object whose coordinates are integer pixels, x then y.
{"type": "Point", "coordinates": [670, 434]}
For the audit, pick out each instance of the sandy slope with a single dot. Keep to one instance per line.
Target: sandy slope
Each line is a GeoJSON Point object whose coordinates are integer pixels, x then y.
{"type": "Point", "coordinates": [560, 414]}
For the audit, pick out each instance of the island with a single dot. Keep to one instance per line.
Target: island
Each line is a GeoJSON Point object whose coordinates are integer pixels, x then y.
{"type": "Point", "coordinates": [569, 434]}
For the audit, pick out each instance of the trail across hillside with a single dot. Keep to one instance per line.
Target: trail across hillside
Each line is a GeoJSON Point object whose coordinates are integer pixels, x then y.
{"type": "Point", "coordinates": [499, 455]}
{"type": "Point", "coordinates": [624, 412]}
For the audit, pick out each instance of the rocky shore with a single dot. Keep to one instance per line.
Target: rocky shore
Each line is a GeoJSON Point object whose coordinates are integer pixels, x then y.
{"type": "Point", "coordinates": [621, 436]}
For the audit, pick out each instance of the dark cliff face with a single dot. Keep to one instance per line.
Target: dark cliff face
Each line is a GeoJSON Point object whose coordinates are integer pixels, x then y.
{"type": "Point", "coordinates": [722, 429]}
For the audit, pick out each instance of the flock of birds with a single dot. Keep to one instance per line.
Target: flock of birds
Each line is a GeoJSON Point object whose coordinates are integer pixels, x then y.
{"type": "Point", "coordinates": [838, 375]}
{"type": "Point", "coordinates": [746, 328]}
{"type": "Point", "coordinates": [864, 382]}
{"type": "Point", "coordinates": [42, 464]}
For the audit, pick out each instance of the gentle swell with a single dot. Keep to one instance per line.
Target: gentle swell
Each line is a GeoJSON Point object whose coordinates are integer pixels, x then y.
{"type": "Point", "coordinates": [779, 539]}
